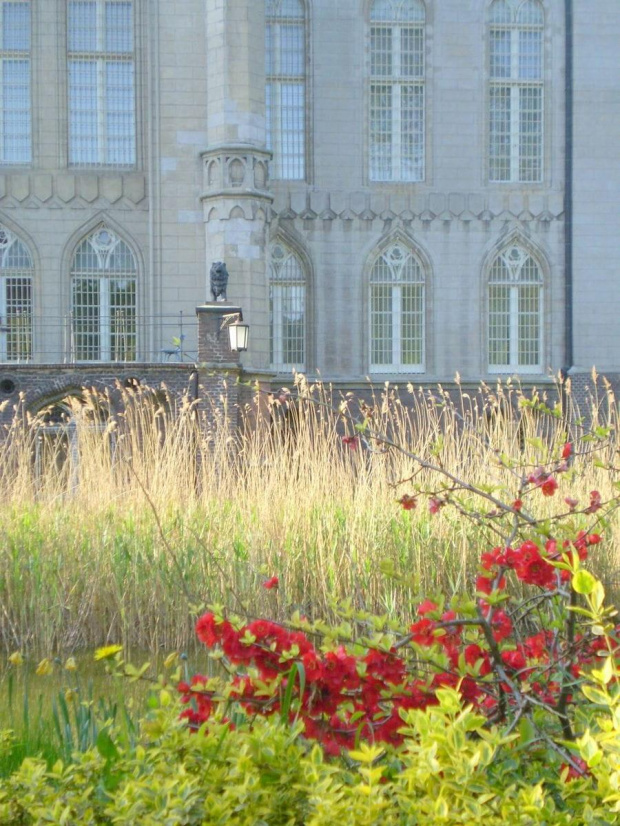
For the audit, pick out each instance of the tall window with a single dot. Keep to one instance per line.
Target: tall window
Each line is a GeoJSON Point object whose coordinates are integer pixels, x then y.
{"type": "Point", "coordinates": [16, 272]}
{"type": "Point", "coordinates": [516, 91]}
{"type": "Point", "coordinates": [285, 71]}
{"type": "Point", "coordinates": [397, 90]}
{"type": "Point", "coordinates": [101, 73]}
{"type": "Point", "coordinates": [515, 313]}
{"type": "Point", "coordinates": [287, 310]}
{"type": "Point", "coordinates": [103, 276]}
{"type": "Point", "coordinates": [397, 299]}
{"type": "Point", "coordinates": [15, 102]}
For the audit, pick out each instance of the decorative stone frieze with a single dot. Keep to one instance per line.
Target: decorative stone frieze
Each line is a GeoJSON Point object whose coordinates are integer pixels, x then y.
{"type": "Point", "coordinates": [236, 171]}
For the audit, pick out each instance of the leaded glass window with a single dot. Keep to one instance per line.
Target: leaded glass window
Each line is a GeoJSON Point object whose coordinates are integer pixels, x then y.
{"type": "Point", "coordinates": [285, 91]}
{"type": "Point", "coordinates": [16, 273]}
{"type": "Point", "coordinates": [397, 93]}
{"type": "Point", "coordinates": [15, 89]}
{"type": "Point", "coordinates": [103, 280]}
{"type": "Point", "coordinates": [397, 312]}
{"type": "Point", "coordinates": [515, 312]}
{"type": "Point", "coordinates": [516, 91]}
{"type": "Point", "coordinates": [287, 310]}
{"type": "Point", "coordinates": [101, 83]}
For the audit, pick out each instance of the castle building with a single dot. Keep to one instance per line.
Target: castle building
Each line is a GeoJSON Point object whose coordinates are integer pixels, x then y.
{"type": "Point", "coordinates": [400, 189]}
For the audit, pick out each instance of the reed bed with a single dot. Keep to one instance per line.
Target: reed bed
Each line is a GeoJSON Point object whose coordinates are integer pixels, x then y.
{"type": "Point", "coordinates": [119, 527]}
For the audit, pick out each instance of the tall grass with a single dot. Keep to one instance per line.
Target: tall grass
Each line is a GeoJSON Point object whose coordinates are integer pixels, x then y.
{"type": "Point", "coordinates": [116, 527]}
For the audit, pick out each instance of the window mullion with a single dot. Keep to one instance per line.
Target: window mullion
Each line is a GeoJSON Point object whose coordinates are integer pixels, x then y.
{"type": "Point", "coordinates": [102, 153]}
{"type": "Point", "coordinates": [105, 325]}
{"type": "Point", "coordinates": [278, 349]}
{"type": "Point", "coordinates": [513, 342]}
{"type": "Point", "coordinates": [396, 103]}
{"type": "Point", "coordinates": [2, 118]}
{"type": "Point", "coordinates": [396, 324]}
{"type": "Point", "coordinates": [3, 320]}
{"type": "Point", "coordinates": [100, 33]}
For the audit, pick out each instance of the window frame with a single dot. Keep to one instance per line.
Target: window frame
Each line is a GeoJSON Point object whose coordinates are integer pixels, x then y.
{"type": "Point", "coordinates": [101, 59]}
{"type": "Point", "coordinates": [276, 331]}
{"type": "Point", "coordinates": [514, 283]}
{"type": "Point", "coordinates": [516, 86]}
{"type": "Point", "coordinates": [396, 365]}
{"type": "Point", "coordinates": [279, 80]}
{"type": "Point", "coordinates": [26, 275]}
{"type": "Point", "coordinates": [104, 324]}
{"type": "Point", "coordinates": [17, 55]}
{"type": "Point", "coordinates": [397, 85]}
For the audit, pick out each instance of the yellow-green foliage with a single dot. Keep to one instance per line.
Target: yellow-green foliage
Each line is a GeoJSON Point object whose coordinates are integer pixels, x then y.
{"type": "Point", "coordinates": [452, 771]}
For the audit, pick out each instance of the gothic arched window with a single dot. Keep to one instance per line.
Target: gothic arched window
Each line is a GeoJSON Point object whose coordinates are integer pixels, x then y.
{"type": "Point", "coordinates": [285, 91]}
{"type": "Point", "coordinates": [397, 312]}
{"type": "Point", "coordinates": [103, 282]}
{"type": "Point", "coordinates": [16, 273]}
{"type": "Point", "coordinates": [287, 310]}
{"type": "Point", "coordinates": [515, 312]}
{"type": "Point", "coordinates": [397, 94]}
{"type": "Point", "coordinates": [516, 81]}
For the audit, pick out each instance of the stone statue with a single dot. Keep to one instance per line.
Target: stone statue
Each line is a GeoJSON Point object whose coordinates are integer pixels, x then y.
{"type": "Point", "coordinates": [219, 280]}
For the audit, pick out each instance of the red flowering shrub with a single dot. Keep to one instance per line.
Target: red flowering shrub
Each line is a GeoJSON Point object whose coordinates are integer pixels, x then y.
{"type": "Point", "coordinates": [512, 658]}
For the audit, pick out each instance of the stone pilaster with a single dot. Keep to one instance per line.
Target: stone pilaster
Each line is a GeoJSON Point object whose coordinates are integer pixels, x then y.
{"type": "Point", "coordinates": [236, 198]}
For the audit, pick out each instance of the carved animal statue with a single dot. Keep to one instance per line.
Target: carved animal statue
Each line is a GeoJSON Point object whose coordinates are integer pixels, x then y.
{"type": "Point", "coordinates": [219, 280]}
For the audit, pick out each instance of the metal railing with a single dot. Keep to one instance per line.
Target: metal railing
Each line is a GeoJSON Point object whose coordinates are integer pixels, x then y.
{"type": "Point", "coordinates": [121, 336]}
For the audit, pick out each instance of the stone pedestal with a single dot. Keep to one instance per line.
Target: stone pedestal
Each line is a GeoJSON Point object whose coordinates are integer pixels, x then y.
{"type": "Point", "coordinates": [219, 369]}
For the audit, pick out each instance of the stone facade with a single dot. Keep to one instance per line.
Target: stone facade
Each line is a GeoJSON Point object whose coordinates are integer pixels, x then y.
{"type": "Point", "coordinates": [201, 191]}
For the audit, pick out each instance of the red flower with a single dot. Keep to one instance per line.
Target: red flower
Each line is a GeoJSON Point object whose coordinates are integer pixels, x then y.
{"type": "Point", "coordinates": [427, 607]}
{"type": "Point", "coordinates": [572, 773]}
{"type": "Point", "coordinates": [422, 632]}
{"type": "Point", "coordinates": [351, 442]}
{"type": "Point", "coordinates": [517, 504]}
{"type": "Point", "coordinates": [500, 624]}
{"type": "Point", "coordinates": [572, 503]}
{"type": "Point", "coordinates": [473, 654]}
{"type": "Point", "coordinates": [513, 660]}
{"type": "Point", "coordinates": [408, 502]}
{"type": "Point", "coordinates": [434, 504]}
{"type": "Point", "coordinates": [273, 582]}
{"type": "Point", "coordinates": [549, 486]}
{"type": "Point", "coordinates": [567, 451]}
{"type": "Point", "coordinates": [484, 584]}
{"type": "Point", "coordinates": [209, 631]}
{"type": "Point", "coordinates": [595, 502]}
{"type": "Point", "coordinates": [495, 557]}
{"type": "Point", "coordinates": [537, 571]}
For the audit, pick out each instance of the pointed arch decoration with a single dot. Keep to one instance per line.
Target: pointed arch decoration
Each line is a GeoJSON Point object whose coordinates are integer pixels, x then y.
{"type": "Point", "coordinates": [286, 87]}
{"type": "Point", "coordinates": [288, 284]}
{"type": "Point", "coordinates": [397, 310]}
{"type": "Point", "coordinates": [103, 298]}
{"type": "Point", "coordinates": [16, 305]}
{"type": "Point", "coordinates": [515, 310]}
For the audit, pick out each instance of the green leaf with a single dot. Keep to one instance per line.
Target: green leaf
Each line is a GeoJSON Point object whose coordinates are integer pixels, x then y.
{"type": "Point", "coordinates": [583, 582]}
{"type": "Point", "coordinates": [106, 747]}
{"type": "Point", "coordinates": [595, 695]}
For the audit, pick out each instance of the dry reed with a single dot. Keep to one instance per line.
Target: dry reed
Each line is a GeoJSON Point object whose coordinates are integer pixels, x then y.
{"type": "Point", "coordinates": [117, 527]}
